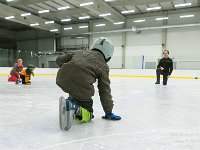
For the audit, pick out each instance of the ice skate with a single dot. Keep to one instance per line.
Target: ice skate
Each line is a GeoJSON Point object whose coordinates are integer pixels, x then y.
{"type": "Point", "coordinates": [66, 113]}
{"type": "Point", "coordinates": [18, 81]}
{"type": "Point", "coordinates": [28, 83]}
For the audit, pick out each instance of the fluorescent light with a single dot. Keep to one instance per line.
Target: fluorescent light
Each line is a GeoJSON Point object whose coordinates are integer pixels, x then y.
{"type": "Point", "coordinates": [182, 5]}
{"type": "Point", "coordinates": [142, 20]}
{"type": "Point", "coordinates": [84, 17]}
{"type": "Point", "coordinates": [34, 24]}
{"type": "Point", "coordinates": [109, 0]}
{"type": "Point", "coordinates": [26, 14]}
{"type": "Point", "coordinates": [43, 11]}
{"type": "Point", "coordinates": [86, 4]}
{"type": "Point", "coordinates": [54, 30]}
{"type": "Point", "coordinates": [186, 16]}
{"type": "Point", "coordinates": [79, 37]}
{"type": "Point", "coordinates": [63, 20]}
{"type": "Point", "coordinates": [162, 18]}
{"type": "Point", "coordinates": [10, 0]}
{"type": "Point", "coordinates": [154, 8]}
{"type": "Point", "coordinates": [107, 14]}
{"type": "Point", "coordinates": [83, 27]}
{"type": "Point", "coordinates": [49, 22]}
{"type": "Point", "coordinates": [118, 23]}
{"type": "Point", "coordinates": [9, 17]}
{"type": "Point", "coordinates": [68, 28]}
{"type": "Point", "coordinates": [62, 8]}
{"type": "Point", "coordinates": [100, 25]}
{"type": "Point", "coordinates": [128, 11]}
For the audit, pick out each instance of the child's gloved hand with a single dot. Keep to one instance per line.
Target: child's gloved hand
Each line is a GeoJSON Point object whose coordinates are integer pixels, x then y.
{"type": "Point", "coordinates": [111, 116]}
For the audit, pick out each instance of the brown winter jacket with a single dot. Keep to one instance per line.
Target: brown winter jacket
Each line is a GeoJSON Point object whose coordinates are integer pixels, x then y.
{"type": "Point", "coordinates": [79, 71]}
{"type": "Point", "coordinates": [16, 69]}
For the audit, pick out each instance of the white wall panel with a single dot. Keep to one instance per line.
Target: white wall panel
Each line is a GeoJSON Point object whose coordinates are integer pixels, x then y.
{"type": "Point", "coordinates": [184, 43]}
{"type": "Point", "coordinates": [134, 55]}
{"type": "Point", "coordinates": [153, 37]}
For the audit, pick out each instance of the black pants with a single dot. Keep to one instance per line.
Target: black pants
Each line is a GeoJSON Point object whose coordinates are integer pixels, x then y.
{"type": "Point", "coordinates": [85, 104]}
{"type": "Point", "coordinates": [165, 76]}
{"type": "Point", "coordinates": [25, 78]}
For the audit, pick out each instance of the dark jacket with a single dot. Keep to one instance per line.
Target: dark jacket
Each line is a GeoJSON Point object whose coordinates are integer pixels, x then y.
{"type": "Point", "coordinates": [79, 71]}
{"type": "Point", "coordinates": [167, 64]}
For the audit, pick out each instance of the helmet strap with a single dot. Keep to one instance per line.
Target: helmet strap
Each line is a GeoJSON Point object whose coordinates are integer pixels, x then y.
{"type": "Point", "coordinates": [101, 53]}
{"type": "Point", "coordinates": [107, 60]}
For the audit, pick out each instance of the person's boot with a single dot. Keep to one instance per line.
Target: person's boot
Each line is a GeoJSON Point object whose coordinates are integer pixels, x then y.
{"type": "Point", "coordinates": [83, 115]}
{"type": "Point", "coordinates": [157, 82]}
{"type": "Point", "coordinates": [18, 81]}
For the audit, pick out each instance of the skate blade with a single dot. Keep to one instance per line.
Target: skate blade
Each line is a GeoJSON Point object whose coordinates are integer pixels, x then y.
{"type": "Point", "coordinates": [65, 117]}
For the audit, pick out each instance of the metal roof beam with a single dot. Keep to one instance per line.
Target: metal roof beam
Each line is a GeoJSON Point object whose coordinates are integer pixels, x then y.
{"type": "Point", "coordinates": [100, 7]}
{"type": "Point", "coordinates": [25, 2]}
{"type": "Point", "coordinates": [67, 12]}
{"type": "Point", "coordinates": [136, 2]}
{"type": "Point", "coordinates": [6, 11]}
{"type": "Point", "coordinates": [169, 12]}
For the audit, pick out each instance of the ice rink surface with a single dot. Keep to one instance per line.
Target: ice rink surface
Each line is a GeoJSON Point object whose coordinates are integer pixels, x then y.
{"type": "Point", "coordinates": [154, 117]}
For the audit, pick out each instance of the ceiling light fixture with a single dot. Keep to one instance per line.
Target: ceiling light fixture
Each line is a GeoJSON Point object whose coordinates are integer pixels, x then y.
{"type": "Point", "coordinates": [34, 24]}
{"type": "Point", "coordinates": [103, 15]}
{"type": "Point", "coordinates": [49, 22]}
{"type": "Point", "coordinates": [116, 23]}
{"type": "Point", "coordinates": [9, 17]}
{"type": "Point", "coordinates": [68, 28]}
{"type": "Point", "coordinates": [128, 11]}
{"type": "Point", "coordinates": [43, 11]}
{"type": "Point", "coordinates": [80, 27]}
{"type": "Point", "coordinates": [100, 25]}
{"type": "Point", "coordinates": [142, 20]}
{"type": "Point", "coordinates": [162, 18]}
{"type": "Point", "coordinates": [154, 8]}
{"type": "Point", "coordinates": [86, 4]}
{"type": "Point", "coordinates": [84, 17]}
{"type": "Point", "coordinates": [183, 5]}
{"type": "Point", "coordinates": [64, 20]}
{"type": "Point", "coordinates": [79, 37]}
{"type": "Point", "coordinates": [186, 16]}
{"type": "Point", "coordinates": [62, 8]}
{"type": "Point", "coordinates": [54, 30]}
{"type": "Point", "coordinates": [26, 14]}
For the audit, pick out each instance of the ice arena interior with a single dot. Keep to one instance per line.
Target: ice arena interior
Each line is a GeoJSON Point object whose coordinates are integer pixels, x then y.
{"type": "Point", "coordinates": [154, 73]}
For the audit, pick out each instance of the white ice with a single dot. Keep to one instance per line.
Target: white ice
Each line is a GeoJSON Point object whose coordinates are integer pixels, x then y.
{"type": "Point", "coordinates": [154, 117]}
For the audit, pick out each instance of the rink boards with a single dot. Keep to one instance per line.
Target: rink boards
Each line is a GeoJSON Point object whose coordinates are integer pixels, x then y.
{"type": "Point", "coordinates": [121, 73]}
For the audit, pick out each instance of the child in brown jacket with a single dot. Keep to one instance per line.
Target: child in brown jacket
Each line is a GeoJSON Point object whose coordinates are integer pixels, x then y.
{"type": "Point", "coordinates": [76, 76]}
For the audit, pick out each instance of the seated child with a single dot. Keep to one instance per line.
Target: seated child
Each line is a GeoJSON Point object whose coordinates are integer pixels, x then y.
{"type": "Point", "coordinates": [25, 74]}
{"type": "Point", "coordinates": [15, 72]}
